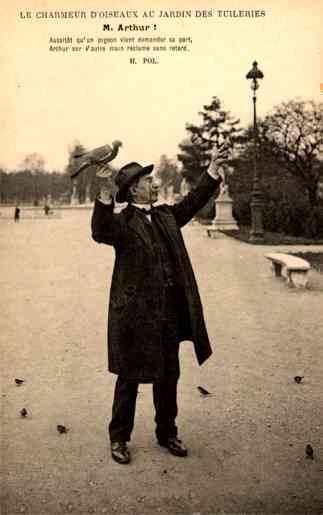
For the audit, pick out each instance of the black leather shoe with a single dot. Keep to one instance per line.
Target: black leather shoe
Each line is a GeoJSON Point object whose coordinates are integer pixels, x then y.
{"type": "Point", "coordinates": [175, 446]}
{"type": "Point", "coordinates": [120, 452]}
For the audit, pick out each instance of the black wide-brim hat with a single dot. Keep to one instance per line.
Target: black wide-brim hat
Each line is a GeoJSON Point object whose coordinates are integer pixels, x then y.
{"type": "Point", "coordinates": [126, 176]}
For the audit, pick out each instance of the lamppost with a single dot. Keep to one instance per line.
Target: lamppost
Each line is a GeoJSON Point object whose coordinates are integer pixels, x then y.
{"type": "Point", "coordinates": [257, 230]}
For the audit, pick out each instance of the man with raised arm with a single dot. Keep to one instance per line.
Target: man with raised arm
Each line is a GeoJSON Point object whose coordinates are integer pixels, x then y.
{"type": "Point", "coordinates": [154, 299]}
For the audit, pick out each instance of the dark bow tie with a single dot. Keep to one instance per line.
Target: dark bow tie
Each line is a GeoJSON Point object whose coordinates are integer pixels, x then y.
{"type": "Point", "coordinates": [144, 210]}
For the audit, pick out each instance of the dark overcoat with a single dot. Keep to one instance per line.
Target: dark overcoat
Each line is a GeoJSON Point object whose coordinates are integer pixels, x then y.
{"type": "Point", "coordinates": [136, 294]}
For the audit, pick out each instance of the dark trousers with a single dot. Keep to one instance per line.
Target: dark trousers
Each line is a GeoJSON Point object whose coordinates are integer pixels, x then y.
{"type": "Point", "coordinates": [164, 392]}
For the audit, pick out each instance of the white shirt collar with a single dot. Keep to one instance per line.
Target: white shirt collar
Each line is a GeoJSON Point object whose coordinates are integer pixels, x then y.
{"type": "Point", "coordinates": [142, 206]}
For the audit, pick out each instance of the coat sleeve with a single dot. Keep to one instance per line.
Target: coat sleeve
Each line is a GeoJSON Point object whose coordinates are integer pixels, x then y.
{"type": "Point", "coordinates": [195, 199]}
{"type": "Point", "coordinates": [107, 226]}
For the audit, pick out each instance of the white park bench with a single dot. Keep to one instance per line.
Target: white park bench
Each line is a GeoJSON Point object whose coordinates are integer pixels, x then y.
{"type": "Point", "coordinates": [294, 269]}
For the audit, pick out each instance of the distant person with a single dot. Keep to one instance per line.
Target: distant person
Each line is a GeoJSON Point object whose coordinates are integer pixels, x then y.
{"type": "Point", "coordinates": [17, 214]}
{"type": "Point", "coordinates": [46, 209]}
{"type": "Point", "coordinates": [154, 298]}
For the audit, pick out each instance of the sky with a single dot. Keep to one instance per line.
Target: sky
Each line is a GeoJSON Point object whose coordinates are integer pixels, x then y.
{"type": "Point", "coordinates": [49, 99]}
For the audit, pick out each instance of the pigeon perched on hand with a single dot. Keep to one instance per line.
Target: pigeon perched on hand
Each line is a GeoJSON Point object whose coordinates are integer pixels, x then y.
{"type": "Point", "coordinates": [98, 157]}
{"type": "Point", "coordinates": [61, 429]}
{"type": "Point", "coordinates": [309, 452]}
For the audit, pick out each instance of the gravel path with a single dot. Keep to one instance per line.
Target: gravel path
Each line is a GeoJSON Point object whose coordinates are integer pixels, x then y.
{"type": "Point", "coordinates": [246, 440]}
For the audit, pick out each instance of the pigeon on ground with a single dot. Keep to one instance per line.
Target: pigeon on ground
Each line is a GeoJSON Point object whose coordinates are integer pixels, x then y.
{"type": "Point", "coordinates": [61, 429]}
{"type": "Point", "coordinates": [19, 382]}
{"type": "Point", "coordinates": [23, 412]}
{"type": "Point", "coordinates": [309, 451]}
{"type": "Point", "coordinates": [298, 379]}
{"type": "Point", "coordinates": [203, 391]}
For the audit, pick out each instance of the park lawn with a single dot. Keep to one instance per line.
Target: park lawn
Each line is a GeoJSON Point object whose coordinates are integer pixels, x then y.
{"type": "Point", "coordinates": [314, 258]}
{"type": "Point", "coordinates": [272, 238]}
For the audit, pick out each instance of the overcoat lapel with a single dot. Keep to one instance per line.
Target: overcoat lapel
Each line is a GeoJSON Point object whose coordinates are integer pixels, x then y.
{"type": "Point", "coordinates": [168, 227]}
{"type": "Point", "coordinates": [137, 223]}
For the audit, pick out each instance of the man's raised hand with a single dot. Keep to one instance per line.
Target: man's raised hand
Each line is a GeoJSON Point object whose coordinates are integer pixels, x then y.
{"type": "Point", "coordinates": [218, 158]}
{"type": "Point", "coordinates": [105, 177]}
{"type": "Point", "coordinates": [219, 154]}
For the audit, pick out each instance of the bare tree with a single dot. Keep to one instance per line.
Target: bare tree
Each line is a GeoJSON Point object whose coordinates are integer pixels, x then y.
{"type": "Point", "coordinates": [35, 164]}
{"type": "Point", "coordinates": [293, 134]}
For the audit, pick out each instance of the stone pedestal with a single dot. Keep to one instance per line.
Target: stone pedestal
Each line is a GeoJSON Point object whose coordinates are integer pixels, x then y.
{"type": "Point", "coordinates": [224, 219]}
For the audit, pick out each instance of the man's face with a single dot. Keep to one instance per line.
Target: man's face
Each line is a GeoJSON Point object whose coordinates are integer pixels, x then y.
{"type": "Point", "coordinates": [145, 190]}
